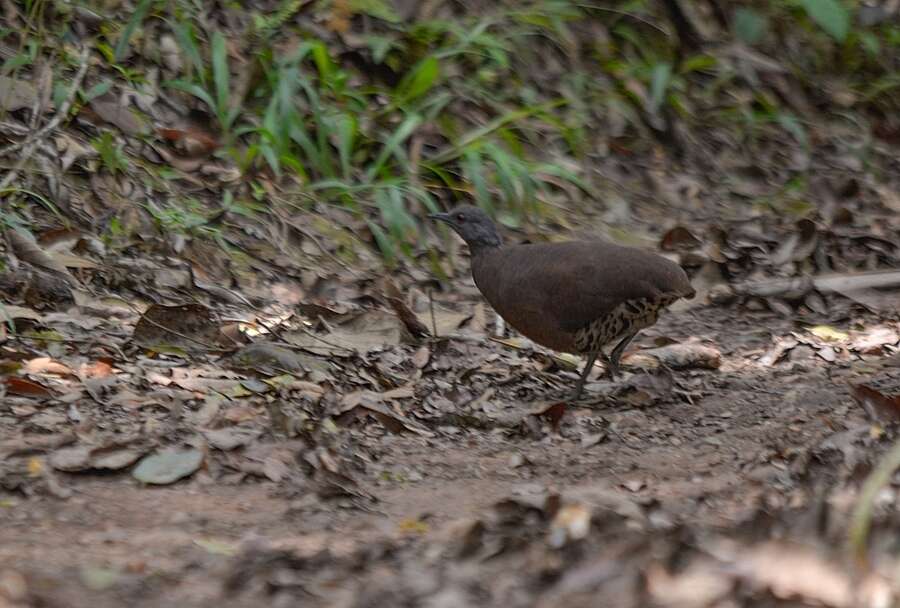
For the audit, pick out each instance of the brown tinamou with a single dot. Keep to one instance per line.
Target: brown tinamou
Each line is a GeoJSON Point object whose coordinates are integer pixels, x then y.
{"type": "Point", "coordinates": [573, 297]}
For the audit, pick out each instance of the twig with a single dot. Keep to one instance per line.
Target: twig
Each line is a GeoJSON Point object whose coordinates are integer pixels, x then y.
{"type": "Point", "coordinates": [431, 308]}
{"type": "Point", "coordinates": [326, 342]}
{"type": "Point", "coordinates": [628, 14]}
{"type": "Point", "coordinates": [269, 328]}
{"type": "Point", "coordinates": [31, 143]}
{"type": "Point", "coordinates": [14, 128]}
{"type": "Point", "coordinates": [461, 338]}
{"type": "Point", "coordinates": [70, 340]}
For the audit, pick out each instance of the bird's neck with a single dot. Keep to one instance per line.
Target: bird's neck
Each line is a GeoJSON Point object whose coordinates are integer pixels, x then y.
{"type": "Point", "coordinates": [482, 247]}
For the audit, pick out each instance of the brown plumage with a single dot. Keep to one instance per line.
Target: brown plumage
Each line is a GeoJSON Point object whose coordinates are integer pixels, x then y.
{"type": "Point", "coordinates": [574, 297]}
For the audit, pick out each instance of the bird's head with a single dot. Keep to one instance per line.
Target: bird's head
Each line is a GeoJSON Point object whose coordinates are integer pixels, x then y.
{"type": "Point", "coordinates": [474, 226]}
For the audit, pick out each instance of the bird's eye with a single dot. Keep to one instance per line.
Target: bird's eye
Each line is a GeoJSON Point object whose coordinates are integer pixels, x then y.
{"type": "Point", "coordinates": [460, 217]}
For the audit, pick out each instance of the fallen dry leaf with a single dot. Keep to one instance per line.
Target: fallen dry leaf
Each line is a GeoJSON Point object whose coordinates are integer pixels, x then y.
{"type": "Point", "coordinates": [16, 94]}
{"type": "Point", "coordinates": [369, 331]}
{"type": "Point", "coordinates": [190, 327]}
{"type": "Point", "coordinates": [828, 333]}
{"type": "Point", "coordinates": [28, 249]}
{"type": "Point", "coordinates": [96, 369]}
{"type": "Point", "coordinates": [880, 407]}
{"type": "Point", "coordinates": [679, 238]}
{"type": "Point", "coordinates": [553, 412]}
{"type": "Point", "coordinates": [571, 523]}
{"type": "Point", "coordinates": [26, 388]}
{"type": "Point", "coordinates": [168, 466]}
{"type": "Point", "coordinates": [362, 403]}
{"type": "Point", "coordinates": [46, 365]}
{"type": "Point", "coordinates": [86, 458]}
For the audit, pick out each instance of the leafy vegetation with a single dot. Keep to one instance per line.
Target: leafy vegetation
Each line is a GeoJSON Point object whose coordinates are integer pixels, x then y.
{"type": "Point", "coordinates": [354, 104]}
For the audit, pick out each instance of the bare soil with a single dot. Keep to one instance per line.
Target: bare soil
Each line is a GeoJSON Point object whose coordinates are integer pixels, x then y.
{"type": "Point", "coordinates": [707, 457]}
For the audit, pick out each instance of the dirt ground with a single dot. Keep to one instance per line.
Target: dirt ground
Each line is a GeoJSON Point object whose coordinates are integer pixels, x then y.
{"type": "Point", "coordinates": [239, 366]}
{"type": "Point", "coordinates": [459, 516]}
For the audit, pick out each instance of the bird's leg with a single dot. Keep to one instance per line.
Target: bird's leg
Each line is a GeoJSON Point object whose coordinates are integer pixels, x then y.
{"type": "Point", "coordinates": [592, 357]}
{"type": "Point", "coordinates": [608, 367]}
{"type": "Point", "coordinates": [612, 362]}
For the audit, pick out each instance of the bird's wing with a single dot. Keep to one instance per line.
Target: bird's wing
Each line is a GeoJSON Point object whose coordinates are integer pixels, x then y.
{"type": "Point", "coordinates": [575, 283]}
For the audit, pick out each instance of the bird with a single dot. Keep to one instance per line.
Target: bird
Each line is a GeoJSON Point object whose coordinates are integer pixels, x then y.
{"type": "Point", "coordinates": [575, 296]}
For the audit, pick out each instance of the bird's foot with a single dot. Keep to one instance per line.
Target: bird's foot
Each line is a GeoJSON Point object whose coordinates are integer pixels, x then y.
{"type": "Point", "coordinates": [611, 367]}
{"type": "Point", "coordinates": [577, 393]}
{"type": "Point", "coordinates": [585, 396]}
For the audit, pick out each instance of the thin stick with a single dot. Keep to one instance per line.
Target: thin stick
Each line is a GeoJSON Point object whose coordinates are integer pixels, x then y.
{"type": "Point", "coordinates": [30, 144]}
{"type": "Point", "coordinates": [433, 321]}
{"type": "Point", "coordinates": [326, 342]}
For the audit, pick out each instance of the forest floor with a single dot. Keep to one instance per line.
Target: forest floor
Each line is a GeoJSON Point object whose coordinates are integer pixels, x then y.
{"type": "Point", "coordinates": [688, 477]}
{"type": "Point", "coordinates": [214, 393]}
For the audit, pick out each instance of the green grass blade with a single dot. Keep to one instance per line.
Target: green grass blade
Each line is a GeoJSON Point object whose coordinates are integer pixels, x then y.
{"type": "Point", "coordinates": [419, 81]}
{"type": "Point", "coordinates": [136, 19]}
{"type": "Point", "coordinates": [455, 150]}
{"type": "Point", "coordinates": [323, 62]}
{"type": "Point", "coordinates": [297, 133]}
{"type": "Point", "coordinates": [220, 73]}
{"type": "Point", "coordinates": [563, 173]}
{"type": "Point", "coordinates": [659, 83]}
{"type": "Point", "coordinates": [184, 33]}
{"type": "Point", "coordinates": [195, 90]}
{"type": "Point", "coordinates": [393, 143]}
{"type": "Point", "coordinates": [473, 168]}
{"type": "Point", "coordinates": [346, 127]}
{"type": "Point", "coordinates": [861, 518]}
{"type": "Point", "coordinates": [831, 15]}
{"type": "Point", "coordinates": [504, 173]}
{"type": "Point", "coordinates": [384, 243]}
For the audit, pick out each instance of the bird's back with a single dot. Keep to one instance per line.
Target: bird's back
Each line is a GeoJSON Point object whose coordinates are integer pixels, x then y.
{"type": "Point", "coordinates": [549, 291]}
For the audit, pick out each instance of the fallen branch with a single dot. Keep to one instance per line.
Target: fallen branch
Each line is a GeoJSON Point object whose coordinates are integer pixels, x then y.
{"type": "Point", "coordinates": [833, 283]}
{"type": "Point", "coordinates": [676, 356]}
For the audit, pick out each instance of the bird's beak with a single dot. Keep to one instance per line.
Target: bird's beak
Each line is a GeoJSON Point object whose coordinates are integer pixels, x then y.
{"type": "Point", "coordinates": [441, 217]}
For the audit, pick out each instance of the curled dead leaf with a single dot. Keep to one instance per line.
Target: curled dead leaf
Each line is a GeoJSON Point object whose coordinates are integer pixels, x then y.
{"type": "Point", "coordinates": [553, 412]}
{"type": "Point", "coordinates": [679, 238]}
{"type": "Point", "coordinates": [27, 248]}
{"type": "Point", "coordinates": [363, 403]}
{"type": "Point", "coordinates": [108, 109]}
